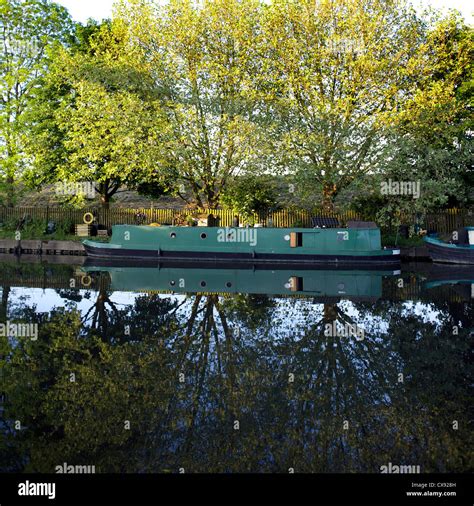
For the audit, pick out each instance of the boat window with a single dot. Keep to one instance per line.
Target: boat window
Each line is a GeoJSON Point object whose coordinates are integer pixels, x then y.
{"type": "Point", "coordinates": [203, 236]}
{"type": "Point", "coordinates": [228, 285]}
{"type": "Point", "coordinates": [203, 284]}
{"type": "Point", "coordinates": [296, 239]}
{"type": "Point", "coordinates": [173, 235]}
{"type": "Point", "coordinates": [172, 283]}
{"type": "Point", "coordinates": [296, 284]}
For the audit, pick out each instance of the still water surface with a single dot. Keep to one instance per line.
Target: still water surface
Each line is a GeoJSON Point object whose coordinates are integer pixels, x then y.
{"type": "Point", "coordinates": [223, 370]}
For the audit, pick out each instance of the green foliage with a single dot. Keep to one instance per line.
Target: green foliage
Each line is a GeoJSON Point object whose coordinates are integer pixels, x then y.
{"type": "Point", "coordinates": [106, 122]}
{"type": "Point", "coordinates": [185, 98]}
{"type": "Point", "coordinates": [201, 58]}
{"type": "Point", "coordinates": [36, 229]}
{"type": "Point", "coordinates": [29, 28]}
{"type": "Point", "coordinates": [333, 69]}
{"type": "Point", "coordinates": [430, 139]}
{"type": "Point", "coordinates": [250, 195]}
{"type": "Point", "coordinates": [153, 189]}
{"type": "Point", "coordinates": [391, 240]}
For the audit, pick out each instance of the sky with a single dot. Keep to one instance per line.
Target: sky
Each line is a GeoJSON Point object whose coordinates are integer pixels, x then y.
{"type": "Point", "coordinates": [81, 10]}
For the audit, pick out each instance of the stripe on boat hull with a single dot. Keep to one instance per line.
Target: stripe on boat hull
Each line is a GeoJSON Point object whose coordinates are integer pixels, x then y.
{"type": "Point", "coordinates": [203, 257]}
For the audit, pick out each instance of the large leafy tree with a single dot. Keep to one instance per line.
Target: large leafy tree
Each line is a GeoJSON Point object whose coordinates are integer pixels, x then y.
{"type": "Point", "coordinates": [338, 74]}
{"type": "Point", "coordinates": [45, 142]}
{"type": "Point", "coordinates": [200, 57]}
{"type": "Point", "coordinates": [27, 29]}
{"type": "Point", "coordinates": [104, 113]}
{"type": "Point", "coordinates": [431, 139]}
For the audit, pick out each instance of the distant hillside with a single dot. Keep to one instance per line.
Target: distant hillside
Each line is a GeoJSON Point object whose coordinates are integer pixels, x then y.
{"type": "Point", "coordinates": [47, 197]}
{"type": "Point", "coordinates": [129, 199]}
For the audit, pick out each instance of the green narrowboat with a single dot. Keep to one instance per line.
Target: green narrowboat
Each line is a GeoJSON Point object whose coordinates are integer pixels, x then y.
{"type": "Point", "coordinates": [313, 246]}
{"type": "Point", "coordinates": [320, 284]}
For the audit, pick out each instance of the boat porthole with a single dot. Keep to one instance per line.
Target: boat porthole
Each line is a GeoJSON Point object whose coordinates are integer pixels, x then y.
{"type": "Point", "coordinates": [172, 283]}
{"type": "Point", "coordinates": [173, 235]}
{"type": "Point", "coordinates": [203, 284]}
{"type": "Point", "coordinates": [228, 284]}
{"type": "Point", "coordinates": [203, 236]}
{"type": "Point", "coordinates": [341, 286]}
{"type": "Point", "coordinates": [287, 237]}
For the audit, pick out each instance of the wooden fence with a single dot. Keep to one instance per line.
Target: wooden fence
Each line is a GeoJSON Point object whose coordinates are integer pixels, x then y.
{"type": "Point", "coordinates": [444, 222]}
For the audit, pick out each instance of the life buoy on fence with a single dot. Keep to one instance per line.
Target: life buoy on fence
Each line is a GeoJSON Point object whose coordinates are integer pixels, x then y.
{"type": "Point", "coordinates": [88, 218]}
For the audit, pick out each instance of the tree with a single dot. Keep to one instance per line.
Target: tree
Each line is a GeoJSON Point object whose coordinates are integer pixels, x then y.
{"type": "Point", "coordinates": [27, 29]}
{"type": "Point", "coordinates": [201, 58]}
{"type": "Point", "coordinates": [107, 117]}
{"type": "Point", "coordinates": [338, 72]}
{"type": "Point", "coordinates": [430, 140]}
{"type": "Point", "coordinates": [250, 195]}
{"type": "Point", "coordinates": [45, 143]}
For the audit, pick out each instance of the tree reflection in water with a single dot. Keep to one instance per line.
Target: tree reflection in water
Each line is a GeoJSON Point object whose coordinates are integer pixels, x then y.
{"type": "Point", "coordinates": [240, 383]}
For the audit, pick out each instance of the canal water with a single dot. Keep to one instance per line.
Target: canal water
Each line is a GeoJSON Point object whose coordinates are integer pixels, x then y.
{"type": "Point", "coordinates": [169, 369]}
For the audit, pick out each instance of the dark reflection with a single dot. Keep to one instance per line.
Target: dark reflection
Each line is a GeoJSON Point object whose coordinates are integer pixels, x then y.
{"type": "Point", "coordinates": [320, 283]}
{"type": "Point", "coordinates": [246, 382]}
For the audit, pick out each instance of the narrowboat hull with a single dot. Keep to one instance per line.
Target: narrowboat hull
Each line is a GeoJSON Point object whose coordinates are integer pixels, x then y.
{"type": "Point", "coordinates": [443, 252]}
{"type": "Point", "coordinates": [206, 245]}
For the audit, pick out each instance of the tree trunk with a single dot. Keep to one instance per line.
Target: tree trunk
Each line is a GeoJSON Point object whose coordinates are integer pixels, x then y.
{"type": "Point", "coordinates": [10, 197]}
{"type": "Point", "coordinates": [211, 196]}
{"type": "Point", "coordinates": [330, 313]}
{"type": "Point", "coordinates": [4, 304]}
{"type": "Point", "coordinates": [329, 194]}
{"type": "Point", "coordinates": [105, 201]}
{"type": "Point", "coordinates": [107, 190]}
